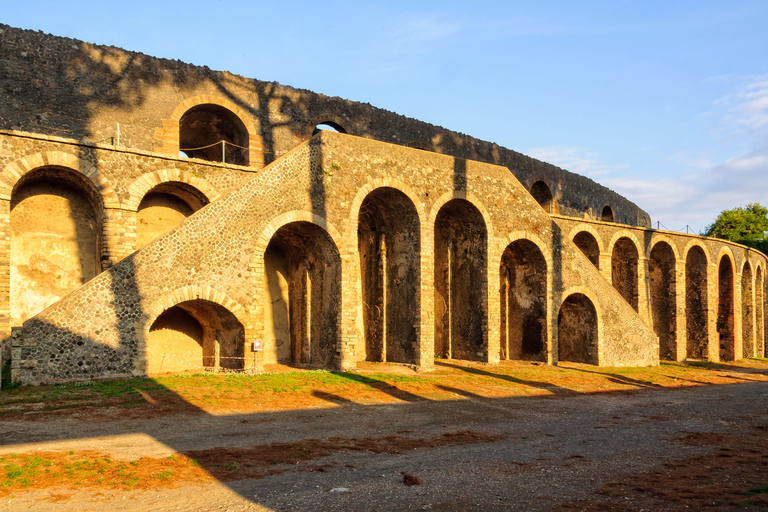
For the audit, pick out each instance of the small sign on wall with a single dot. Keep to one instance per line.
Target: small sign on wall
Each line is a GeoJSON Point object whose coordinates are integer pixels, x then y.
{"type": "Point", "coordinates": [257, 346]}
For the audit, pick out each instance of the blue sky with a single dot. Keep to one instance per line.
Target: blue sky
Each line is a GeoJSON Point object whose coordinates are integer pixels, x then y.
{"type": "Point", "coordinates": [664, 102]}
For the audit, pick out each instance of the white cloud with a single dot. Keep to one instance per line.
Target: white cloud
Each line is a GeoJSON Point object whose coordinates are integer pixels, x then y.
{"type": "Point", "coordinates": [578, 160]}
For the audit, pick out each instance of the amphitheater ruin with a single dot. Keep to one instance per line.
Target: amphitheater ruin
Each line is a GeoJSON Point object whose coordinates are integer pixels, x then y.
{"type": "Point", "coordinates": [161, 217]}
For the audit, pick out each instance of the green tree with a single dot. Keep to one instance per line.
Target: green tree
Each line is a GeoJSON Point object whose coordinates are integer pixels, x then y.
{"type": "Point", "coordinates": [746, 226]}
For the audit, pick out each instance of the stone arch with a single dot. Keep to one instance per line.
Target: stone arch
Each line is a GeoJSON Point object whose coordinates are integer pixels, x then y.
{"type": "Point", "coordinates": [56, 218]}
{"type": "Point", "coordinates": [588, 243]}
{"type": "Point", "coordinates": [747, 312]}
{"type": "Point", "coordinates": [139, 188]}
{"type": "Point", "coordinates": [194, 328]}
{"type": "Point", "coordinates": [542, 193]}
{"type": "Point", "coordinates": [389, 251]}
{"type": "Point", "coordinates": [15, 171]}
{"type": "Point", "coordinates": [461, 281]}
{"type": "Point", "coordinates": [367, 188]}
{"type": "Point", "coordinates": [301, 266]}
{"type": "Point", "coordinates": [441, 201]}
{"type": "Point", "coordinates": [170, 136]}
{"type": "Point", "coordinates": [725, 305]}
{"type": "Point", "coordinates": [607, 214]}
{"type": "Point", "coordinates": [578, 327]}
{"type": "Point", "coordinates": [662, 281]}
{"type": "Point", "coordinates": [524, 281]}
{"type": "Point", "coordinates": [625, 260]}
{"type": "Point", "coordinates": [696, 301]}
{"type": "Point", "coordinates": [760, 311]}
{"type": "Point", "coordinates": [338, 123]}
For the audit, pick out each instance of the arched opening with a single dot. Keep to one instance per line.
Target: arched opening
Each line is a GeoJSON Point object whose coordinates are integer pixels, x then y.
{"type": "Point", "coordinates": [607, 215]}
{"type": "Point", "coordinates": [543, 195]}
{"type": "Point", "coordinates": [624, 260]}
{"type": "Point", "coordinates": [55, 232]}
{"type": "Point", "coordinates": [523, 302]}
{"type": "Point", "coordinates": [461, 243]}
{"type": "Point", "coordinates": [195, 335]}
{"type": "Point", "coordinates": [163, 208]}
{"type": "Point", "coordinates": [302, 300]}
{"type": "Point", "coordinates": [725, 309]}
{"type": "Point", "coordinates": [759, 310]}
{"type": "Point", "coordinates": [388, 241]}
{"type": "Point", "coordinates": [587, 243]}
{"type": "Point", "coordinates": [328, 126]}
{"type": "Point", "coordinates": [747, 312]}
{"type": "Point", "coordinates": [213, 133]}
{"type": "Point", "coordinates": [663, 299]}
{"type": "Point", "coordinates": [577, 330]}
{"type": "Point", "coordinates": [696, 316]}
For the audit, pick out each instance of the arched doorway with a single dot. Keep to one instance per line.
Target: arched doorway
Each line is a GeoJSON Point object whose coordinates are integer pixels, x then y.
{"type": "Point", "coordinates": [543, 195]}
{"type": "Point", "coordinates": [725, 309]}
{"type": "Point", "coordinates": [747, 301]}
{"type": "Point", "coordinates": [389, 246]}
{"type": "Point", "coordinates": [607, 214]}
{"type": "Point", "coordinates": [461, 243]}
{"type": "Point", "coordinates": [663, 299]}
{"type": "Point", "coordinates": [587, 243]}
{"type": "Point", "coordinates": [214, 133]}
{"type": "Point", "coordinates": [195, 335]}
{"type": "Point", "coordinates": [55, 232]}
{"type": "Point", "coordinates": [523, 300]}
{"type": "Point", "coordinates": [759, 311]}
{"type": "Point", "coordinates": [696, 316]}
{"type": "Point", "coordinates": [330, 126]}
{"type": "Point", "coordinates": [163, 208]}
{"type": "Point", "coordinates": [302, 300]}
{"type": "Point", "coordinates": [577, 330]}
{"type": "Point", "coordinates": [624, 275]}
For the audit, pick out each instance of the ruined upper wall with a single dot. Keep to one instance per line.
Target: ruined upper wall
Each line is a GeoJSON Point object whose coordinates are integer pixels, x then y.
{"type": "Point", "coordinates": [64, 87]}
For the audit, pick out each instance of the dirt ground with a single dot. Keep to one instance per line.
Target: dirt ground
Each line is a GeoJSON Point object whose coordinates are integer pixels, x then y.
{"type": "Point", "coordinates": [518, 436]}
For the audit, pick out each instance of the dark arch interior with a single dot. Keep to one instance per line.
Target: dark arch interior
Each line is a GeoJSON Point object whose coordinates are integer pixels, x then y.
{"type": "Point", "coordinates": [204, 127]}
{"type": "Point", "coordinates": [523, 302]}
{"type": "Point", "coordinates": [725, 309]}
{"type": "Point", "coordinates": [696, 315]}
{"type": "Point", "coordinates": [587, 243]}
{"type": "Point", "coordinates": [624, 261]}
{"type": "Point", "coordinates": [305, 313]}
{"type": "Point", "coordinates": [607, 214]}
{"type": "Point", "coordinates": [759, 313]}
{"type": "Point", "coordinates": [663, 299]}
{"type": "Point", "coordinates": [460, 281]}
{"type": "Point", "coordinates": [329, 126]}
{"type": "Point", "coordinates": [194, 335]}
{"type": "Point", "coordinates": [388, 240]}
{"type": "Point", "coordinates": [543, 195]}
{"type": "Point", "coordinates": [577, 330]}
{"type": "Point", "coordinates": [747, 325]}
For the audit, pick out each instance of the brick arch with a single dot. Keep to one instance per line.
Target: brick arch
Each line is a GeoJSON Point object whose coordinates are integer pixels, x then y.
{"type": "Point", "coordinates": [168, 134]}
{"type": "Point", "coordinates": [366, 189]}
{"type": "Point", "coordinates": [193, 292]}
{"type": "Point", "coordinates": [583, 226]}
{"type": "Point", "coordinates": [546, 251]}
{"type": "Point", "coordinates": [324, 118]}
{"type": "Point", "coordinates": [699, 244]}
{"type": "Point", "coordinates": [624, 233]}
{"type": "Point", "coordinates": [14, 171]}
{"type": "Point", "coordinates": [587, 292]}
{"type": "Point", "coordinates": [656, 238]}
{"type": "Point", "coordinates": [726, 251]}
{"type": "Point", "coordinates": [139, 188]}
{"type": "Point", "coordinates": [255, 266]}
{"type": "Point", "coordinates": [473, 200]}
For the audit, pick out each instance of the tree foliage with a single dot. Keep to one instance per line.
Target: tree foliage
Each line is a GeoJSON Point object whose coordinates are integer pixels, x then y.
{"type": "Point", "coordinates": [746, 226]}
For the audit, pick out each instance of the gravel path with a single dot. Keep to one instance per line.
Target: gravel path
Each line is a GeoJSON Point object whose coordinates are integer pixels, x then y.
{"type": "Point", "coordinates": [555, 450]}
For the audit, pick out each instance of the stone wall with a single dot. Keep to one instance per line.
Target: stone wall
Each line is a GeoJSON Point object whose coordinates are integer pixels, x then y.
{"type": "Point", "coordinates": [317, 190]}
{"type": "Point", "coordinates": [64, 87]}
